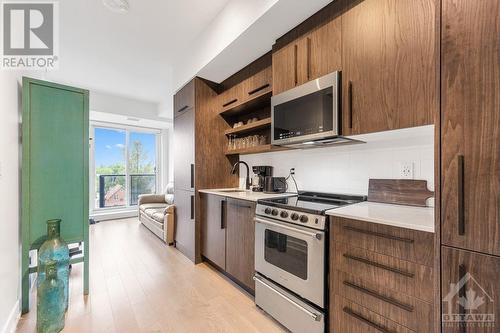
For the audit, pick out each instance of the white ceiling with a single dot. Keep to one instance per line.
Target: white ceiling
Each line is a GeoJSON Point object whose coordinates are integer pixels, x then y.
{"type": "Point", "coordinates": [128, 54]}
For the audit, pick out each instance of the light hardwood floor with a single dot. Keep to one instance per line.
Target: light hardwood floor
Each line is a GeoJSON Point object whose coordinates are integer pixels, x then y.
{"type": "Point", "coordinates": [140, 285]}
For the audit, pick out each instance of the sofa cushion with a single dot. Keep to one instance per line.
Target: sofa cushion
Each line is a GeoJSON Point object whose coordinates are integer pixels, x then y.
{"type": "Point", "coordinates": [158, 216]}
{"type": "Point", "coordinates": [144, 207]}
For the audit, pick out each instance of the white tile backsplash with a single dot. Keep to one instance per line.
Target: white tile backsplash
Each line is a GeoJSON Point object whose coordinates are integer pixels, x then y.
{"type": "Point", "coordinates": [347, 169]}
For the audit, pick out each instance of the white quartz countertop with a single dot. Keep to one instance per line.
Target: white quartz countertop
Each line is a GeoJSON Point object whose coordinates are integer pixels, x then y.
{"type": "Point", "coordinates": [245, 194]}
{"type": "Point", "coordinates": [409, 217]}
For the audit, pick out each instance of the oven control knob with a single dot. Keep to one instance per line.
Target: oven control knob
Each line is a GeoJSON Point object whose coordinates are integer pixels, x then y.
{"type": "Point", "coordinates": [274, 212]}
{"type": "Point", "coordinates": [304, 219]}
{"type": "Point", "coordinates": [295, 216]}
{"type": "Point", "coordinates": [284, 214]}
{"type": "Point", "coordinates": [267, 211]}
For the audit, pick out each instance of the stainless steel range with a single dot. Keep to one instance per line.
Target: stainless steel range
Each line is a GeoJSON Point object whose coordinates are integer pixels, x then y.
{"type": "Point", "coordinates": [291, 240]}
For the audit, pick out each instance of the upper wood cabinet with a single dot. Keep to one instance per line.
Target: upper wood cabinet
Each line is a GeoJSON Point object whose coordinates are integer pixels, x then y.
{"type": "Point", "coordinates": [309, 57]}
{"type": "Point", "coordinates": [184, 150]}
{"type": "Point", "coordinates": [389, 65]}
{"type": "Point", "coordinates": [470, 87]}
{"type": "Point", "coordinates": [184, 98]}
{"type": "Point", "coordinates": [248, 89]}
{"type": "Point", "coordinates": [240, 241]}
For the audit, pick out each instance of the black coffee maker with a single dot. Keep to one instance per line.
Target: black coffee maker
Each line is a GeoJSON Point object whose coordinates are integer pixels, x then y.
{"type": "Point", "coordinates": [260, 174]}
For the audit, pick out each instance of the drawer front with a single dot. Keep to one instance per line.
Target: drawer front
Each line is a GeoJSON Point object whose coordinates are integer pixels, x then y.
{"type": "Point", "coordinates": [398, 307]}
{"type": "Point", "coordinates": [384, 271]}
{"type": "Point", "coordinates": [348, 317]}
{"type": "Point", "coordinates": [411, 245]}
{"type": "Point", "coordinates": [258, 84]}
{"type": "Point", "coordinates": [230, 98]}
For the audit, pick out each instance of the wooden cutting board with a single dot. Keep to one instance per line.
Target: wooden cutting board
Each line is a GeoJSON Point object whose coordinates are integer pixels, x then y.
{"type": "Point", "coordinates": [399, 191]}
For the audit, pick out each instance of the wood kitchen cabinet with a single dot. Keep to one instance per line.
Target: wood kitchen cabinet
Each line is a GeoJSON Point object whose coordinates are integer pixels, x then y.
{"type": "Point", "coordinates": [389, 67]}
{"type": "Point", "coordinates": [228, 236]}
{"type": "Point", "coordinates": [478, 283]}
{"type": "Point", "coordinates": [184, 99]}
{"type": "Point", "coordinates": [213, 225]}
{"type": "Point", "coordinates": [307, 58]}
{"type": "Point", "coordinates": [185, 222]}
{"type": "Point", "coordinates": [470, 86]}
{"type": "Point", "coordinates": [199, 159]}
{"type": "Point", "coordinates": [184, 151]}
{"type": "Point", "coordinates": [380, 278]}
{"type": "Point", "coordinates": [240, 241]}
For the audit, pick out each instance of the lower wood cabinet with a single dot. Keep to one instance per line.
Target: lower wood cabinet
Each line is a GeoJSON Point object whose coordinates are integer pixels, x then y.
{"type": "Point", "coordinates": [213, 233]}
{"type": "Point", "coordinates": [470, 289]}
{"type": "Point", "coordinates": [185, 223]}
{"type": "Point", "coordinates": [380, 278]}
{"type": "Point", "coordinates": [240, 241]}
{"type": "Point", "coordinates": [228, 235]}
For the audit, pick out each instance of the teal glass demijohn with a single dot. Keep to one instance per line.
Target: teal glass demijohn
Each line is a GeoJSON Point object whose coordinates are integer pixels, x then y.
{"type": "Point", "coordinates": [50, 301]}
{"type": "Point", "coordinates": [54, 248]}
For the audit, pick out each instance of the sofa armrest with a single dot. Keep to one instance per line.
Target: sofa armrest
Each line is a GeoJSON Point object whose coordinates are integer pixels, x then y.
{"type": "Point", "coordinates": [151, 198]}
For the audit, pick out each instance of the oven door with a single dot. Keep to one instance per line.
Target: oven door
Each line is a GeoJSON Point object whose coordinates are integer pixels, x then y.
{"type": "Point", "coordinates": [292, 256]}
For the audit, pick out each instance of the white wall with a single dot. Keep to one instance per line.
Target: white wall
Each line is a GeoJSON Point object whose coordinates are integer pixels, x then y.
{"type": "Point", "coordinates": [346, 169]}
{"type": "Point", "coordinates": [10, 104]}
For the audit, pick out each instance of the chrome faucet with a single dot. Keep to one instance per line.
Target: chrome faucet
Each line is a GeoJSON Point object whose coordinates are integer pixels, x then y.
{"type": "Point", "coordinates": [247, 180]}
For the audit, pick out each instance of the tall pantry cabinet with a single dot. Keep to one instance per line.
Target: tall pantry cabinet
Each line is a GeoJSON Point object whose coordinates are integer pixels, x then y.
{"type": "Point", "coordinates": [199, 159]}
{"type": "Point", "coordinates": [470, 169]}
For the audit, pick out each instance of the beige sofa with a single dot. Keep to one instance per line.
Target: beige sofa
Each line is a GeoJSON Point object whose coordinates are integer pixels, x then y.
{"type": "Point", "coordinates": [156, 212]}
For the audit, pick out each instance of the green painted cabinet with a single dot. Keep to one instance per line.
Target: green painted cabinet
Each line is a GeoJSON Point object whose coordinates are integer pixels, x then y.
{"type": "Point", "coordinates": [55, 172]}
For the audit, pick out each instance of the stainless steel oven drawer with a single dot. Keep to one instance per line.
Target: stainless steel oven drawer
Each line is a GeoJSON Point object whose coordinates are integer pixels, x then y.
{"type": "Point", "coordinates": [290, 311]}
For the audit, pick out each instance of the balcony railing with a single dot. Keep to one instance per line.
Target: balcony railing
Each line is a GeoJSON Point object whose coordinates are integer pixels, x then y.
{"type": "Point", "coordinates": [112, 190]}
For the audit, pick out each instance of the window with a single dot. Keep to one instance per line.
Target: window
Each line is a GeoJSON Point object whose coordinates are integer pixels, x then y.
{"type": "Point", "coordinates": [125, 165]}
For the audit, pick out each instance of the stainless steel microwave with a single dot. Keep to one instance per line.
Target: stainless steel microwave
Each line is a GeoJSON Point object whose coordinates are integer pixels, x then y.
{"type": "Point", "coordinates": [308, 115]}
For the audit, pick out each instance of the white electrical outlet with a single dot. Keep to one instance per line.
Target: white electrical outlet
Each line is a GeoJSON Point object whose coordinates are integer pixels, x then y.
{"type": "Point", "coordinates": [406, 170]}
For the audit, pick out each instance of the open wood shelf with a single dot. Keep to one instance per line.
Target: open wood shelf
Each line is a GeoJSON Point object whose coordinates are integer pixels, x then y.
{"type": "Point", "coordinates": [257, 102]}
{"type": "Point", "coordinates": [255, 150]}
{"type": "Point", "coordinates": [266, 122]}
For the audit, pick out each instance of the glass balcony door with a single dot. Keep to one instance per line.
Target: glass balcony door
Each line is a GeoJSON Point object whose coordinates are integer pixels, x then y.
{"type": "Point", "coordinates": [124, 163]}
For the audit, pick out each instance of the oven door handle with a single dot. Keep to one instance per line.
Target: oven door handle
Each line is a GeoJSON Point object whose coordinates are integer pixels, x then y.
{"type": "Point", "coordinates": [279, 225]}
{"type": "Point", "coordinates": [315, 316]}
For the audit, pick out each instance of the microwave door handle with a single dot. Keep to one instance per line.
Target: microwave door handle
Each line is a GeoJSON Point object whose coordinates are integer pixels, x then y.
{"type": "Point", "coordinates": [315, 316]}
{"type": "Point", "coordinates": [307, 233]}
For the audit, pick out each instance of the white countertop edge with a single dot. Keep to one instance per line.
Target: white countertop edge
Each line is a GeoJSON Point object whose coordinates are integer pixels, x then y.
{"type": "Point", "coordinates": [248, 195]}
{"type": "Point", "coordinates": [426, 227]}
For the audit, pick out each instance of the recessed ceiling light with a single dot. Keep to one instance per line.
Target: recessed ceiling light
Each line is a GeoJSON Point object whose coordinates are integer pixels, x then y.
{"type": "Point", "coordinates": [118, 6]}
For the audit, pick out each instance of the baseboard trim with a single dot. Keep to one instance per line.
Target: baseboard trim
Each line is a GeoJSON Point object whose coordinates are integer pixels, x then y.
{"type": "Point", "coordinates": [12, 319]}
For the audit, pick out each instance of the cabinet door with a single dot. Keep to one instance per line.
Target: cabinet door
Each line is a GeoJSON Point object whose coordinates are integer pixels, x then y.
{"type": "Point", "coordinates": [285, 68]}
{"type": "Point", "coordinates": [470, 133]}
{"type": "Point", "coordinates": [184, 222]}
{"type": "Point", "coordinates": [240, 241]}
{"type": "Point", "coordinates": [477, 294]}
{"type": "Point", "coordinates": [324, 50]}
{"type": "Point", "coordinates": [213, 232]}
{"type": "Point", "coordinates": [389, 65]}
{"type": "Point", "coordinates": [184, 99]}
{"type": "Point", "coordinates": [184, 151]}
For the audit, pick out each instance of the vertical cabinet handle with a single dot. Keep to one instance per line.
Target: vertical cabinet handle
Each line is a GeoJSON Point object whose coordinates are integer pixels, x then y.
{"type": "Point", "coordinates": [222, 214]}
{"type": "Point", "coordinates": [308, 58]}
{"type": "Point", "coordinates": [295, 54]}
{"type": "Point", "coordinates": [349, 100]}
{"type": "Point", "coordinates": [192, 175]}
{"type": "Point", "coordinates": [461, 196]}
{"type": "Point", "coordinates": [462, 271]}
{"type": "Point", "coordinates": [192, 207]}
